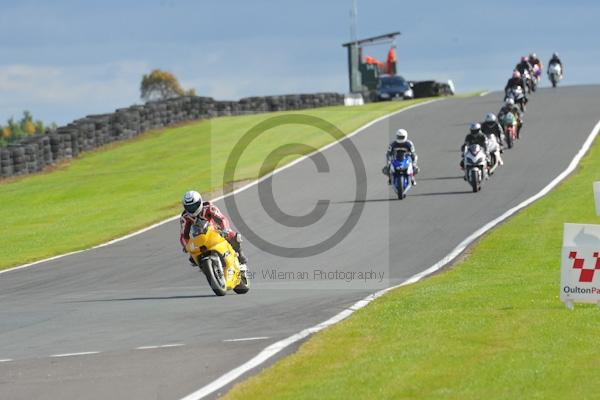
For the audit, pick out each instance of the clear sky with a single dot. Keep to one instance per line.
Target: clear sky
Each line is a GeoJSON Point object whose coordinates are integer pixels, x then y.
{"type": "Point", "coordinates": [64, 59]}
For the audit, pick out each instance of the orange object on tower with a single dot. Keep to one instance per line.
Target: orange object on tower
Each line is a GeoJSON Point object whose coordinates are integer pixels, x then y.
{"type": "Point", "coordinates": [391, 61]}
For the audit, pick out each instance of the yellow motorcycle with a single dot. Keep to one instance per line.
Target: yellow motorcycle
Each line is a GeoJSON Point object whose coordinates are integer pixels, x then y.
{"type": "Point", "coordinates": [217, 259]}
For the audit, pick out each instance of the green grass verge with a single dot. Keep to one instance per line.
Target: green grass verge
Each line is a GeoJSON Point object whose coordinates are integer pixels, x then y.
{"type": "Point", "coordinates": [491, 327]}
{"type": "Point", "coordinates": [126, 186]}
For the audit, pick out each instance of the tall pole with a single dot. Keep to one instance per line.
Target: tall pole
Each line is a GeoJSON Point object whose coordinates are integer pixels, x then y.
{"type": "Point", "coordinates": [353, 54]}
{"type": "Point", "coordinates": [353, 22]}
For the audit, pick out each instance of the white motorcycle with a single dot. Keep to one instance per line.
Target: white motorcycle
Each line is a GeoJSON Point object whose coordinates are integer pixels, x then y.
{"type": "Point", "coordinates": [494, 150]}
{"type": "Point", "coordinates": [526, 82]}
{"type": "Point", "coordinates": [554, 73]}
{"type": "Point", "coordinates": [475, 164]}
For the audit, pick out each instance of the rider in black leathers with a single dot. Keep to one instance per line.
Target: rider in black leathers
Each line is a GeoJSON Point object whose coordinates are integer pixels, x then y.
{"type": "Point", "coordinates": [514, 82]}
{"type": "Point", "coordinates": [556, 60]}
{"type": "Point", "coordinates": [526, 70]}
{"type": "Point", "coordinates": [491, 126]}
{"type": "Point", "coordinates": [475, 136]}
{"type": "Point", "coordinates": [534, 59]}
{"type": "Point", "coordinates": [524, 65]}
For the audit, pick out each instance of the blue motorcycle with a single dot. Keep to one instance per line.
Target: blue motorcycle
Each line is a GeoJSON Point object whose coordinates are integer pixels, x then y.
{"type": "Point", "coordinates": [400, 168]}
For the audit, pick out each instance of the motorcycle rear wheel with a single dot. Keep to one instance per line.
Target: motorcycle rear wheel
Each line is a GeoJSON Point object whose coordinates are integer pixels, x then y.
{"type": "Point", "coordinates": [244, 285]}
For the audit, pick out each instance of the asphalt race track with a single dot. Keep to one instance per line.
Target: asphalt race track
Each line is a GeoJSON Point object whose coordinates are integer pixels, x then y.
{"type": "Point", "coordinates": [142, 293]}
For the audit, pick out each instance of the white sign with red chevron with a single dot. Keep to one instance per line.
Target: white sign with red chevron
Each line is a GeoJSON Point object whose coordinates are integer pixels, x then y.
{"type": "Point", "coordinates": [580, 267]}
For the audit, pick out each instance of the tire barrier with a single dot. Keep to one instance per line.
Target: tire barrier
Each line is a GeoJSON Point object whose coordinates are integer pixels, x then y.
{"type": "Point", "coordinates": [431, 89]}
{"type": "Point", "coordinates": [34, 153]}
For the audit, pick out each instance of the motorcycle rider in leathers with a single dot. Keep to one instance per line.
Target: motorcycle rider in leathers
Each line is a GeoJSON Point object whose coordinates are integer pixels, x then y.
{"type": "Point", "coordinates": [491, 126]}
{"type": "Point", "coordinates": [514, 82]}
{"type": "Point", "coordinates": [475, 136]}
{"type": "Point", "coordinates": [401, 142]}
{"type": "Point", "coordinates": [193, 208]}
{"type": "Point", "coordinates": [510, 106]}
{"type": "Point", "coordinates": [556, 60]}
{"type": "Point", "coordinates": [534, 60]}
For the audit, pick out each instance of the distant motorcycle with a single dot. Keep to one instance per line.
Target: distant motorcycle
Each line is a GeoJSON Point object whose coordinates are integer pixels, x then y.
{"type": "Point", "coordinates": [509, 125]}
{"type": "Point", "coordinates": [528, 82]}
{"type": "Point", "coordinates": [475, 165]}
{"type": "Point", "coordinates": [516, 93]}
{"type": "Point", "coordinates": [400, 168]}
{"type": "Point", "coordinates": [554, 73]}
{"type": "Point", "coordinates": [537, 73]}
{"type": "Point", "coordinates": [532, 79]}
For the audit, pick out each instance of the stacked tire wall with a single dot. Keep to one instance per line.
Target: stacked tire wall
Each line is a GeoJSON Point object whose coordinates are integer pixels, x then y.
{"type": "Point", "coordinates": [34, 153]}
{"type": "Point", "coordinates": [431, 89]}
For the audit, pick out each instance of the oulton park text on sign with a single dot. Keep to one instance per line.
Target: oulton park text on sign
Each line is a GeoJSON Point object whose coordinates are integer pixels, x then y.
{"type": "Point", "coordinates": [580, 266]}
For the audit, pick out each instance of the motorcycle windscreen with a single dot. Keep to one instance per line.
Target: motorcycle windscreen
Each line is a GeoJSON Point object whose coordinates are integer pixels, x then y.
{"type": "Point", "coordinates": [200, 227]}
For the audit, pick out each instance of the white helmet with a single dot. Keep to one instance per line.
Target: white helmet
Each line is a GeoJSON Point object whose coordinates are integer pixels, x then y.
{"type": "Point", "coordinates": [475, 127]}
{"type": "Point", "coordinates": [510, 101]}
{"type": "Point", "coordinates": [490, 117]}
{"type": "Point", "coordinates": [401, 135]}
{"type": "Point", "coordinates": [192, 203]}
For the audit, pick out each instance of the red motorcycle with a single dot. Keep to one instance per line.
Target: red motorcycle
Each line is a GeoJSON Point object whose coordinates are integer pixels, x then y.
{"type": "Point", "coordinates": [509, 125]}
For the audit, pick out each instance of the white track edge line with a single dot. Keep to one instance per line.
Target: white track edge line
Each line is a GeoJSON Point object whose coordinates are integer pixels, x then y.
{"type": "Point", "coordinates": [238, 190]}
{"type": "Point", "coordinates": [83, 353]}
{"type": "Point", "coordinates": [162, 346]}
{"type": "Point", "coordinates": [6, 360]}
{"type": "Point", "coordinates": [275, 348]}
{"type": "Point", "coordinates": [247, 339]}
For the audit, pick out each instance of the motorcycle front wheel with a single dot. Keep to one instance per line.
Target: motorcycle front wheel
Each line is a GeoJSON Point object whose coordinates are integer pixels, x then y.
{"type": "Point", "coordinates": [401, 194]}
{"type": "Point", "coordinates": [400, 187]}
{"type": "Point", "coordinates": [509, 140]}
{"type": "Point", "coordinates": [474, 180]}
{"type": "Point", "coordinates": [215, 275]}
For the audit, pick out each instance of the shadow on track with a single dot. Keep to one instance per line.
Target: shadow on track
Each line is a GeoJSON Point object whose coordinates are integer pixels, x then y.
{"type": "Point", "coordinates": [441, 193]}
{"type": "Point", "coordinates": [198, 296]}
{"type": "Point", "coordinates": [363, 201]}
{"type": "Point", "coordinates": [441, 178]}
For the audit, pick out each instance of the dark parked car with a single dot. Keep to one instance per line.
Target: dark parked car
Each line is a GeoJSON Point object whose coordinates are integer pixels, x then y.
{"type": "Point", "coordinates": [393, 86]}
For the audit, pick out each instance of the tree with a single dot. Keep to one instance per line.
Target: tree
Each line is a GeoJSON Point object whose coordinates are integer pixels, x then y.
{"type": "Point", "coordinates": [160, 85]}
{"type": "Point", "coordinates": [5, 132]}
{"type": "Point", "coordinates": [27, 124]}
{"type": "Point", "coordinates": [15, 129]}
